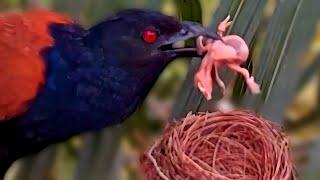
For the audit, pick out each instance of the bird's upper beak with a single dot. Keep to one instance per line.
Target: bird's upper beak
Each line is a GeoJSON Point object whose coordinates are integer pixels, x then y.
{"type": "Point", "coordinates": [188, 31]}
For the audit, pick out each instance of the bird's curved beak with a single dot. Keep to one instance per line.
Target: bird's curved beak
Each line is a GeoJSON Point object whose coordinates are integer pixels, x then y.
{"type": "Point", "coordinates": [189, 30]}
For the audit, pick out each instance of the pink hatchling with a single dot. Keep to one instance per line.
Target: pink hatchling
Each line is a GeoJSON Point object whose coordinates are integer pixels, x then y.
{"type": "Point", "coordinates": [232, 52]}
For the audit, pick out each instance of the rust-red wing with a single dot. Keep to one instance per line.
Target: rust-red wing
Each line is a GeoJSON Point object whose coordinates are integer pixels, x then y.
{"type": "Point", "coordinates": [22, 37]}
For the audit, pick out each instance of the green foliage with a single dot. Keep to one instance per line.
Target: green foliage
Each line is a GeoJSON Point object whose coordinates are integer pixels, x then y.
{"type": "Point", "coordinates": [190, 10]}
{"type": "Point", "coordinates": [309, 72]}
{"type": "Point", "coordinates": [279, 42]}
{"type": "Point", "coordinates": [280, 62]}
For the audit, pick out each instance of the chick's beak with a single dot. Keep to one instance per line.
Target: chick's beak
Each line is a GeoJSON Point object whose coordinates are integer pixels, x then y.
{"type": "Point", "coordinates": [189, 30]}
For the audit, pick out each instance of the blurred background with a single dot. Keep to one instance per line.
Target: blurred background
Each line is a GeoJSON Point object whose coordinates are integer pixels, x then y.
{"type": "Point", "coordinates": [284, 37]}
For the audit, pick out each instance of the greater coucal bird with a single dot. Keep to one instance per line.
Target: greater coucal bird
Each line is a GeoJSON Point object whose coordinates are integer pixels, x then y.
{"type": "Point", "coordinates": [58, 79]}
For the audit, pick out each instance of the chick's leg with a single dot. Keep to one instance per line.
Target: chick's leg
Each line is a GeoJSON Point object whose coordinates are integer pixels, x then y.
{"type": "Point", "coordinates": [203, 79]}
{"type": "Point", "coordinates": [222, 27]}
{"type": "Point", "coordinates": [218, 79]}
{"type": "Point", "coordinates": [200, 47]}
{"type": "Point", "coordinates": [253, 86]}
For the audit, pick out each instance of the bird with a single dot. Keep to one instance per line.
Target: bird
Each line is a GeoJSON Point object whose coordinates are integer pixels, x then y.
{"type": "Point", "coordinates": [232, 51]}
{"type": "Point", "coordinates": [59, 79]}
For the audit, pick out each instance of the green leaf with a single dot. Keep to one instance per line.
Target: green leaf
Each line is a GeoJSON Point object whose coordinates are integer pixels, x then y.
{"type": "Point", "coordinates": [286, 43]}
{"type": "Point", "coordinates": [97, 154]}
{"type": "Point", "coordinates": [309, 71]}
{"type": "Point", "coordinates": [42, 163]}
{"type": "Point", "coordinates": [189, 10]}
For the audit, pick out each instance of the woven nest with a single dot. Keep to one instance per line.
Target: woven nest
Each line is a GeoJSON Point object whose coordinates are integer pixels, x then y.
{"type": "Point", "coordinates": [223, 146]}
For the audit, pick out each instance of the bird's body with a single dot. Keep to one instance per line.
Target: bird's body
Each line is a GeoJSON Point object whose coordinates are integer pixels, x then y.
{"type": "Point", "coordinates": [58, 79]}
{"type": "Point", "coordinates": [22, 37]}
{"type": "Point", "coordinates": [60, 89]}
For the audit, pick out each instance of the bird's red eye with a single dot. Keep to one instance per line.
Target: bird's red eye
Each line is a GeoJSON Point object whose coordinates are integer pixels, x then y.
{"type": "Point", "coordinates": [150, 36]}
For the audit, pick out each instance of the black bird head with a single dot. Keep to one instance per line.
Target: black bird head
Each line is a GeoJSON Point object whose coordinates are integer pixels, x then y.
{"type": "Point", "coordinates": [137, 45]}
{"type": "Point", "coordinates": [144, 39]}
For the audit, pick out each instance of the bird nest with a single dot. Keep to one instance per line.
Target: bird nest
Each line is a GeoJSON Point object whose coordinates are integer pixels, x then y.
{"type": "Point", "coordinates": [221, 146]}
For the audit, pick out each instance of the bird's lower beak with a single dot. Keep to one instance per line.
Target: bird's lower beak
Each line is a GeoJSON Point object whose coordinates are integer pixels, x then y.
{"type": "Point", "coordinates": [189, 30]}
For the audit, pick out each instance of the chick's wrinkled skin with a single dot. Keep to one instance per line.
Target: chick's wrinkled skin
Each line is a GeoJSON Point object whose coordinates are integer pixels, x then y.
{"type": "Point", "coordinates": [232, 52]}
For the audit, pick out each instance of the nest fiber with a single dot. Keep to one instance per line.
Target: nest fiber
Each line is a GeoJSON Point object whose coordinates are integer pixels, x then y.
{"type": "Point", "coordinates": [221, 146]}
